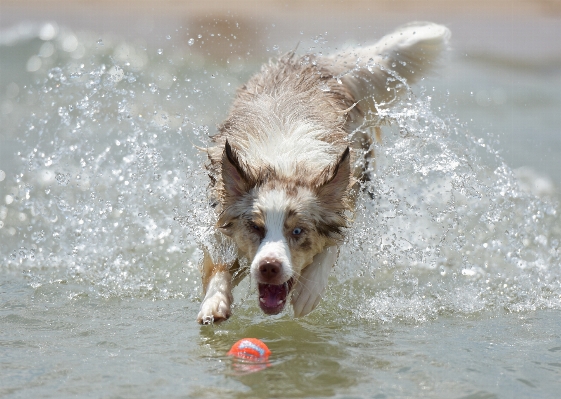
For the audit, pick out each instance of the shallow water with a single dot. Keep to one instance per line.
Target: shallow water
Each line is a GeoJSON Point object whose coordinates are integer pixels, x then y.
{"type": "Point", "coordinates": [448, 286]}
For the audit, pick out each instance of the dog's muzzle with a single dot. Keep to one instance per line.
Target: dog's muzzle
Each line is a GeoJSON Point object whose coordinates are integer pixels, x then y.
{"type": "Point", "coordinates": [273, 286]}
{"type": "Point", "coordinates": [272, 297]}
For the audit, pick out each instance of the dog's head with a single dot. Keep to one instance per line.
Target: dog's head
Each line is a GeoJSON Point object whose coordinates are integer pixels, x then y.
{"type": "Point", "coordinates": [281, 223]}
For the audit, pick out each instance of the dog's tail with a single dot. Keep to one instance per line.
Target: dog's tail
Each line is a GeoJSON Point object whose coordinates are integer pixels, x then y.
{"type": "Point", "coordinates": [378, 74]}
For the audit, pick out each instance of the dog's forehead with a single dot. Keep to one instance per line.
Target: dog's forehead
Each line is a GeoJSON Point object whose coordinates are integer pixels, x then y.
{"type": "Point", "coordinates": [283, 200]}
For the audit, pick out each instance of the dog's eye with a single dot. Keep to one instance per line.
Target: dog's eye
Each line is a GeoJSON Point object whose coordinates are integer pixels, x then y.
{"type": "Point", "coordinates": [297, 231]}
{"type": "Point", "coordinates": [254, 227]}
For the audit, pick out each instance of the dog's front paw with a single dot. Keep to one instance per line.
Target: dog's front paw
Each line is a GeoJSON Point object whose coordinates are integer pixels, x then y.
{"type": "Point", "coordinates": [215, 309]}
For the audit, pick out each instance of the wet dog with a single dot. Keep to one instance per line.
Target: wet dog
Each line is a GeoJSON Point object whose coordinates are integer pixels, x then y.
{"type": "Point", "coordinates": [287, 164]}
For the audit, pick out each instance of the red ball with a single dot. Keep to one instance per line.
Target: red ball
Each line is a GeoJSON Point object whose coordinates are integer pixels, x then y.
{"type": "Point", "coordinates": [250, 349]}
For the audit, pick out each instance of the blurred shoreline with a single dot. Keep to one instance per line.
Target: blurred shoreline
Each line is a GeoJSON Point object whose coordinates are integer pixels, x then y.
{"type": "Point", "coordinates": [274, 7]}
{"type": "Point", "coordinates": [510, 28]}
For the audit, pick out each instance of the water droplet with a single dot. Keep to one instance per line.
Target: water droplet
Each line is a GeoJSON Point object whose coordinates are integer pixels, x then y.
{"type": "Point", "coordinates": [70, 43]}
{"type": "Point", "coordinates": [48, 31]}
{"type": "Point", "coordinates": [116, 73]}
{"type": "Point", "coordinates": [34, 63]}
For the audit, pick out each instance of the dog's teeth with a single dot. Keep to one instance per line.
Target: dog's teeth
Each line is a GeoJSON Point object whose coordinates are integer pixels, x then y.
{"type": "Point", "coordinates": [279, 302]}
{"type": "Point", "coordinates": [262, 300]}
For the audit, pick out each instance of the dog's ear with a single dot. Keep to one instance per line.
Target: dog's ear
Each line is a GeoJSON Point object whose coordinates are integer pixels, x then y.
{"type": "Point", "coordinates": [336, 182]}
{"type": "Point", "coordinates": [235, 179]}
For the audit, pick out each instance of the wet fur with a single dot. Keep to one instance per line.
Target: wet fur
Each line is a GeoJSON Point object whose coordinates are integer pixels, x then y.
{"type": "Point", "coordinates": [286, 165]}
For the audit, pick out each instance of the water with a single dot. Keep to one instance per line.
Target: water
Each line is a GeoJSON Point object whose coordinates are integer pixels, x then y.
{"type": "Point", "coordinates": [449, 284]}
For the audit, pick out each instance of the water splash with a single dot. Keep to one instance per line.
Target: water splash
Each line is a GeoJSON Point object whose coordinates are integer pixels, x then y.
{"type": "Point", "coordinates": [449, 229]}
{"type": "Point", "coordinates": [107, 160]}
{"type": "Point", "coordinates": [109, 196]}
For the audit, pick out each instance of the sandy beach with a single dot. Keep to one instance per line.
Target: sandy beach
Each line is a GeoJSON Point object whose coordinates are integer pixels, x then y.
{"type": "Point", "coordinates": [279, 7]}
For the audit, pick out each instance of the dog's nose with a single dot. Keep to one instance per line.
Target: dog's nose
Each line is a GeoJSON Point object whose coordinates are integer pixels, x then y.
{"type": "Point", "coordinates": [269, 269]}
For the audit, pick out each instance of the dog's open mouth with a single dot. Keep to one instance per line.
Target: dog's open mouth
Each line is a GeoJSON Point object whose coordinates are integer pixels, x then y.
{"type": "Point", "coordinates": [272, 298]}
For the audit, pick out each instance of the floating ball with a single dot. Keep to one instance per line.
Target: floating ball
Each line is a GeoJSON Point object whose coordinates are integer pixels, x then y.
{"type": "Point", "coordinates": [250, 349]}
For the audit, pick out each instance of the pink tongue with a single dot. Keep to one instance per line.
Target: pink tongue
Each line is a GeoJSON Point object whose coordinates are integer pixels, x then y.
{"type": "Point", "coordinates": [272, 294]}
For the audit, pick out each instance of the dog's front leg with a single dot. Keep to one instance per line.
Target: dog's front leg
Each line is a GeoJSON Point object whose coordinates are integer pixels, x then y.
{"type": "Point", "coordinates": [217, 286]}
{"type": "Point", "coordinates": [313, 282]}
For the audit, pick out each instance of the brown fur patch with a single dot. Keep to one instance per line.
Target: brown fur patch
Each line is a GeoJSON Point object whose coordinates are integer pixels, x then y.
{"type": "Point", "coordinates": [209, 269]}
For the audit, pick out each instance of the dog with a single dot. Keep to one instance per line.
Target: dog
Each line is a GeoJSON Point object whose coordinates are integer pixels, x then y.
{"type": "Point", "coordinates": [287, 165]}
